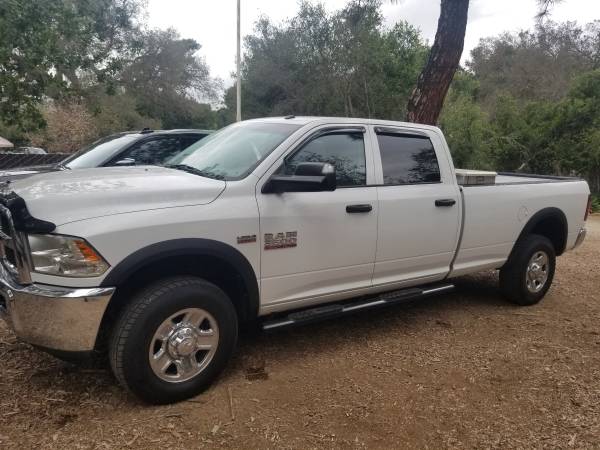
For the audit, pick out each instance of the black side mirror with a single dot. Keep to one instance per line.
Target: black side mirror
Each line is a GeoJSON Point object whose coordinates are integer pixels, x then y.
{"type": "Point", "coordinates": [125, 162]}
{"type": "Point", "coordinates": [308, 177]}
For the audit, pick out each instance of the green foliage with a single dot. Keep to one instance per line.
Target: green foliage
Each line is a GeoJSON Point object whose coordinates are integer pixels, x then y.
{"type": "Point", "coordinates": [117, 112]}
{"type": "Point", "coordinates": [96, 54]}
{"type": "Point", "coordinates": [466, 125]}
{"type": "Point", "coordinates": [576, 128]}
{"type": "Point", "coordinates": [560, 137]}
{"type": "Point", "coordinates": [535, 64]}
{"type": "Point", "coordinates": [537, 136]}
{"type": "Point", "coordinates": [47, 45]}
{"type": "Point", "coordinates": [25, 43]}
{"type": "Point", "coordinates": [168, 80]}
{"type": "Point", "coordinates": [343, 64]}
{"type": "Point", "coordinates": [595, 203]}
{"type": "Point", "coordinates": [530, 103]}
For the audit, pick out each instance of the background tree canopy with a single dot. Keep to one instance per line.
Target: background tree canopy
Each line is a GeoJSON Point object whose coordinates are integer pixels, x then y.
{"type": "Point", "coordinates": [344, 64]}
{"type": "Point", "coordinates": [74, 70]}
{"type": "Point", "coordinates": [97, 58]}
{"type": "Point", "coordinates": [530, 102]}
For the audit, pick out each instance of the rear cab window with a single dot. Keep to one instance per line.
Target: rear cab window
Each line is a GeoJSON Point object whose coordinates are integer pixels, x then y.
{"type": "Point", "coordinates": [406, 158]}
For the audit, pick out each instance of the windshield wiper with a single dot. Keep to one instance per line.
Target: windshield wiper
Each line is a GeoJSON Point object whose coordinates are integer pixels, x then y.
{"type": "Point", "coordinates": [62, 166]}
{"type": "Point", "coordinates": [193, 170]}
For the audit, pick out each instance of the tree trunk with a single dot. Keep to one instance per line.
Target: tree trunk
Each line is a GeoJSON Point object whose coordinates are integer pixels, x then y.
{"type": "Point", "coordinates": [427, 99]}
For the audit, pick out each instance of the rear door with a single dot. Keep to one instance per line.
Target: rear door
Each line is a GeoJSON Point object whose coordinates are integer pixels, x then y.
{"type": "Point", "coordinates": [419, 207]}
{"type": "Point", "coordinates": [320, 246]}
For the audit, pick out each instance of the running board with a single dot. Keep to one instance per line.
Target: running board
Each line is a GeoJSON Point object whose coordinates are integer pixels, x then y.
{"type": "Point", "coordinates": [336, 310]}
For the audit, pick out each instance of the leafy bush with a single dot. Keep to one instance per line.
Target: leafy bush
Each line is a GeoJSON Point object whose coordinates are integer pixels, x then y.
{"type": "Point", "coordinates": [595, 203]}
{"type": "Point", "coordinates": [115, 113]}
{"type": "Point", "coordinates": [70, 126]}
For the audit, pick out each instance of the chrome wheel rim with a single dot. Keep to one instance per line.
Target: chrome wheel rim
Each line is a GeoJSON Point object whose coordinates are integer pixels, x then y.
{"type": "Point", "coordinates": [537, 272]}
{"type": "Point", "coordinates": [183, 345]}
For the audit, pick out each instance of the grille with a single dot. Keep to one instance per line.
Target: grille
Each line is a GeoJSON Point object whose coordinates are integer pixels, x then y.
{"type": "Point", "coordinates": [11, 257]}
{"type": "Point", "coordinates": [7, 239]}
{"type": "Point", "coordinates": [5, 223]}
{"type": "Point", "coordinates": [12, 248]}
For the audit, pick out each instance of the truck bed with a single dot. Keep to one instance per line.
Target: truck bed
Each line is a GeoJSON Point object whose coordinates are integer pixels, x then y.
{"type": "Point", "coordinates": [494, 214]}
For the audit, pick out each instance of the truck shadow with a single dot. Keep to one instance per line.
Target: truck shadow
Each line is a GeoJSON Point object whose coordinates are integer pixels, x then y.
{"type": "Point", "coordinates": [474, 296]}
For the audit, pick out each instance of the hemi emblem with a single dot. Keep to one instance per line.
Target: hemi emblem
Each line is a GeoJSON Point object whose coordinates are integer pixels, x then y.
{"type": "Point", "coordinates": [281, 240]}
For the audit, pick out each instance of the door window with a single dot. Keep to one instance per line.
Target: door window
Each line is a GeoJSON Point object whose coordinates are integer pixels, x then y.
{"type": "Point", "coordinates": [344, 150]}
{"type": "Point", "coordinates": [407, 159]}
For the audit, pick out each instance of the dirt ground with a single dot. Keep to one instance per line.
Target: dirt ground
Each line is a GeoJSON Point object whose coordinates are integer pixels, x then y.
{"type": "Point", "coordinates": [462, 370]}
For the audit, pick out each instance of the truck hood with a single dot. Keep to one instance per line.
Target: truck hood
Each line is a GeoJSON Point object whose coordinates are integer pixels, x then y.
{"type": "Point", "coordinates": [69, 196]}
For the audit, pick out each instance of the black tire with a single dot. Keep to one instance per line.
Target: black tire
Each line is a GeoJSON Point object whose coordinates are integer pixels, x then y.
{"type": "Point", "coordinates": [151, 307]}
{"type": "Point", "coordinates": [513, 275]}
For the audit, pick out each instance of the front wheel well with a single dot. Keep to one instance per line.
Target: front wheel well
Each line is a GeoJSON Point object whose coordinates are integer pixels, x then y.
{"type": "Point", "coordinates": [213, 269]}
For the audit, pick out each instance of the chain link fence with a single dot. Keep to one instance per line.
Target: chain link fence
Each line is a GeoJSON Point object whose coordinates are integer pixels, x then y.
{"type": "Point", "coordinates": [12, 160]}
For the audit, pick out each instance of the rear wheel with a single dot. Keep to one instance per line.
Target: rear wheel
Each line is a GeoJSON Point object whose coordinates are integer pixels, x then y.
{"type": "Point", "coordinates": [174, 339]}
{"type": "Point", "coordinates": [528, 274]}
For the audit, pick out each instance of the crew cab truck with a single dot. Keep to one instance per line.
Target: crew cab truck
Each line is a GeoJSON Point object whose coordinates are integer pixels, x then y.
{"type": "Point", "coordinates": [278, 220]}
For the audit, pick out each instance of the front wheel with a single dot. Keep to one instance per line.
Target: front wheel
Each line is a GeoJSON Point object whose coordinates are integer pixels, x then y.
{"type": "Point", "coordinates": [173, 340]}
{"type": "Point", "coordinates": [528, 274]}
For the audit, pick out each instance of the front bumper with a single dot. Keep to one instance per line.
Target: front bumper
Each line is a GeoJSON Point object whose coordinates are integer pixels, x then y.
{"type": "Point", "coordinates": [57, 318]}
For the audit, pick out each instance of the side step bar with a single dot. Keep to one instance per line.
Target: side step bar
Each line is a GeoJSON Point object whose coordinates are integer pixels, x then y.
{"type": "Point", "coordinates": [336, 310]}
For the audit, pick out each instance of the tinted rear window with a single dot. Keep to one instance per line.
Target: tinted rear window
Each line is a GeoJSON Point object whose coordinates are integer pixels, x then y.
{"type": "Point", "coordinates": [407, 159]}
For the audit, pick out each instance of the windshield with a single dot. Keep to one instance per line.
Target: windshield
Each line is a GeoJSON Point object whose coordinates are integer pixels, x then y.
{"type": "Point", "coordinates": [233, 152]}
{"type": "Point", "coordinates": [98, 152]}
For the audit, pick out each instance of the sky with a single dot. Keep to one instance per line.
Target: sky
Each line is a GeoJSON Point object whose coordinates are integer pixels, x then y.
{"type": "Point", "coordinates": [213, 23]}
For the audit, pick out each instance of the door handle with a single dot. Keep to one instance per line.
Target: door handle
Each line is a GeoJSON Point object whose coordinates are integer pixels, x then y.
{"type": "Point", "coordinates": [353, 209]}
{"type": "Point", "coordinates": [445, 202]}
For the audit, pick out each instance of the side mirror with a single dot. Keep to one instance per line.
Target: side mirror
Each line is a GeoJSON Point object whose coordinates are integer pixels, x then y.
{"type": "Point", "coordinates": [125, 162]}
{"type": "Point", "coordinates": [308, 177]}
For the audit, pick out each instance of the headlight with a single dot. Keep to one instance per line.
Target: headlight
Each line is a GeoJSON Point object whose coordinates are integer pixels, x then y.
{"type": "Point", "coordinates": [65, 256]}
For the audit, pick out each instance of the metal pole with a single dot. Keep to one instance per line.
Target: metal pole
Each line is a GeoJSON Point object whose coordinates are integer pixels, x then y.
{"type": "Point", "coordinates": [239, 73]}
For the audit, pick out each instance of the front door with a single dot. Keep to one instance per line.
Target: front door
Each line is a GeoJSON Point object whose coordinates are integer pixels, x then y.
{"type": "Point", "coordinates": [320, 246]}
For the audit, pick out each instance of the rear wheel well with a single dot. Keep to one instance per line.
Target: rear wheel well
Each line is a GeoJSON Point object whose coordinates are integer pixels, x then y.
{"type": "Point", "coordinates": [550, 223]}
{"type": "Point", "coordinates": [208, 267]}
{"type": "Point", "coordinates": [553, 229]}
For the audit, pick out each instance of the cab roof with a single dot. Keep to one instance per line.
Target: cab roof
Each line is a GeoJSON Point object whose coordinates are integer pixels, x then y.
{"type": "Point", "coordinates": [305, 120]}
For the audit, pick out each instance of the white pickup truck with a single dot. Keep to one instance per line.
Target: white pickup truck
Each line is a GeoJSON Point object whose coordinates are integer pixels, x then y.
{"type": "Point", "coordinates": [278, 221]}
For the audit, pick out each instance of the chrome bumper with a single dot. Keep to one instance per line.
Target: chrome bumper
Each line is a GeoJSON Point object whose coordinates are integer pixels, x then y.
{"type": "Point", "coordinates": [580, 237]}
{"type": "Point", "coordinates": [57, 318]}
